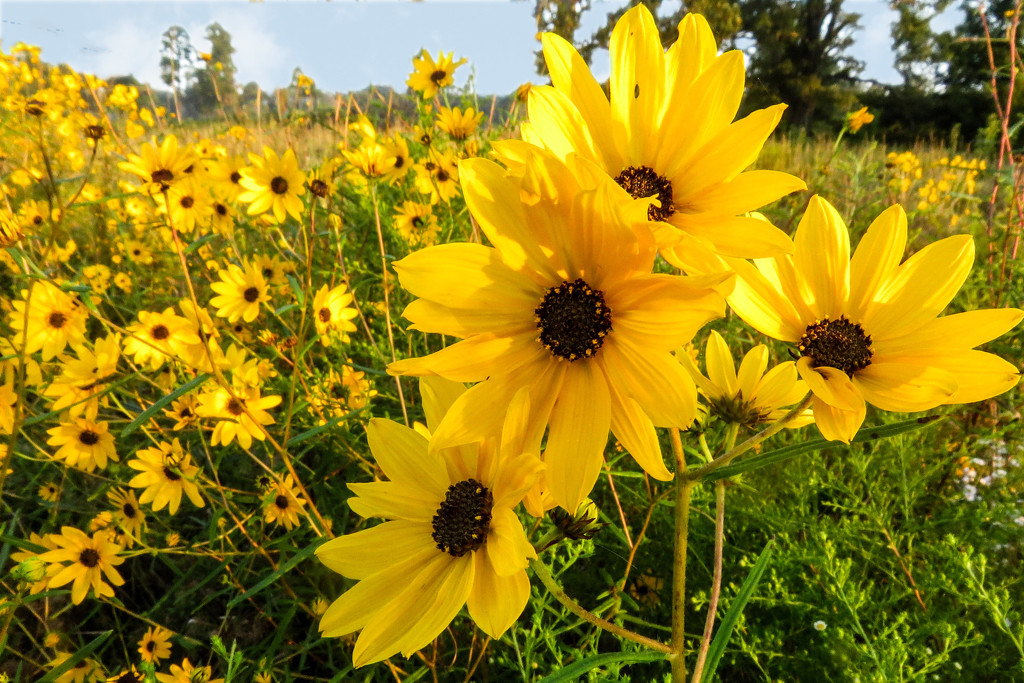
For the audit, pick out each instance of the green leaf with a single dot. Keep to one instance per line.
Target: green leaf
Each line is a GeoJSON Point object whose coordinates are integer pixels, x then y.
{"type": "Point", "coordinates": [733, 615]}
{"type": "Point", "coordinates": [785, 453]}
{"type": "Point", "coordinates": [281, 571]}
{"type": "Point", "coordinates": [163, 401]}
{"type": "Point", "coordinates": [574, 671]}
{"type": "Point", "coordinates": [198, 243]}
{"type": "Point", "coordinates": [78, 656]}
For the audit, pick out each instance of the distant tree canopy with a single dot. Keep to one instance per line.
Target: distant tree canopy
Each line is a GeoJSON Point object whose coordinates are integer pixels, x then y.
{"type": "Point", "coordinates": [215, 77]}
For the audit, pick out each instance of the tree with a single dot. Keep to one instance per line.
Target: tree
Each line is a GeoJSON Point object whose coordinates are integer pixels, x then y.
{"type": "Point", "coordinates": [177, 62]}
{"type": "Point", "coordinates": [917, 47]}
{"type": "Point", "coordinates": [800, 58]}
{"type": "Point", "coordinates": [215, 80]}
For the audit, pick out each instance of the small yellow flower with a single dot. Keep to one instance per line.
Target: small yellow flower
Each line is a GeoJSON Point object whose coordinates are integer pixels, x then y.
{"type": "Point", "coordinates": [283, 504]}
{"type": "Point", "coordinates": [54, 319]}
{"type": "Point", "coordinates": [160, 168]}
{"type": "Point", "coordinates": [84, 561]}
{"type": "Point", "coordinates": [237, 417]}
{"type": "Point", "coordinates": [750, 396]}
{"type": "Point", "coordinates": [458, 124]}
{"type": "Point", "coordinates": [83, 444]}
{"type": "Point", "coordinates": [858, 119]}
{"type": "Point", "coordinates": [273, 184]}
{"type": "Point", "coordinates": [241, 291]}
{"type": "Point", "coordinates": [166, 472]}
{"type": "Point", "coordinates": [333, 313]}
{"type": "Point", "coordinates": [155, 645]}
{"type": "Point", "coordinates": [431, 75]}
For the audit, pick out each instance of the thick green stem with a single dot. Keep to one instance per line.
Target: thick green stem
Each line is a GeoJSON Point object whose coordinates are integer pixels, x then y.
{"type": "Point", "coordinates": [682, 523]}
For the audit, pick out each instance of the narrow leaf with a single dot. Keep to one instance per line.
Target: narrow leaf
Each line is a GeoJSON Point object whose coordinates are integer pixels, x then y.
{"type": "Point", "coordinates": [281, 571]}
{"type": "Point", "coordinates": [786, 452]}
{"type": "Point", "coordinates": [574, 671]}
{"type": "Point", "coordinates": [725, 628]}
{"type": "Point", "coordinates": [78, 656]}
{"type": "Point", "coordinates": [163, 401]}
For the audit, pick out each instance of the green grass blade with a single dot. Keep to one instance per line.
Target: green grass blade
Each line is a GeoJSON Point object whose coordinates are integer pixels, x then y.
{"type": "Point", "coordinates": [574, 671]}
{"type": "Point", "coordinates": [309, 433]}
{"type": "Point", "coordinates": [785, 453]}
{"type": "Point", "coordinates": [78, 656]}
{"type": "Point", "coordinates": [725, 628]}
{"type": "Point", "coordinates": [271, 578]}
{"type": "Point", "coordinates": [161, 402]}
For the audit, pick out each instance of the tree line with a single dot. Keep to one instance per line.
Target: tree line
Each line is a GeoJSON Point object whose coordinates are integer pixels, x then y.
{"type": "Point", "coordinates": [798, 52]}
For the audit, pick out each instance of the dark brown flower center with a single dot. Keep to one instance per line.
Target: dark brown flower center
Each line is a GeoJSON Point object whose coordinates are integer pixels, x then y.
{"type": "Point", "coordinates": [319, 188]}
{"type": "Point", "coordinates": [325, 315]}
{"type": "Point", "coordinates": [438, 75]}
{"type": "Point", "coordinates": [35, 107]}
{"type": "Point", "coordinates": [235, 407]}
{"type": "Point", "coordinates": [573, 320]}
{"type": "Point", "coordinates": [278, 185]}
{"type": "Point", "coordinates": [220, 209]}
{"type": "Point", "coordinates": [162, 176]}
{"type": "Point", "coordinates": [89, 437]}
{"type": "Point", "coordinates": [160, 332]}
{"type": "Point", "coordinates": [235, 176]}
{"type": "Point", "coordinates": [442, 175]}
{"type": "Point", "coordinates": [643, 181]}
{"type": "Point", "coordinates": [417, 222]}
{"type": "Point", "coordinates": [94, 132]}
{"type": "Point", "coordinates": [37, 220]}
{"type": "Point", "coordinates": [281, 502]}
{"type": "Point", "coordinates": [89, 557]}
{"type": "Point", "coordinates": [462, 520]}
{"type": "Point", "coordinates": [56, 320]}
{"type": "Point", "coordinates": [129, 510]}
{"type": "Point", "coordinates": [187, 202]}
{"type": "Point", "coordinates": [128, 677]}
{"type": "Point", "coordinates": [251, 294]}
{"type": "Point", "coordinates": [399, 161]}
{"type": "Point", "coordinates": [425, 139]}
{"type": "Point", "coordinates": [837, 344]}
{"type": "Point", "coordinates": [171, 474]}
{"type": "Point", "coordinates": [150, 645]}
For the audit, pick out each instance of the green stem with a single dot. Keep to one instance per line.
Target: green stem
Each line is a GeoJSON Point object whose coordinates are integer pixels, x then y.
{"type": "Point", "coordinates": [684, 488]}
{"type": "Point", "coordinates": [542, 573]}
{"type": "Point", "coordinates": [698, 473]}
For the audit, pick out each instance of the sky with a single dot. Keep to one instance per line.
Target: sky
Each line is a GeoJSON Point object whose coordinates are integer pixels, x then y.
{"type": "Point", "coordinates": [343, 45]}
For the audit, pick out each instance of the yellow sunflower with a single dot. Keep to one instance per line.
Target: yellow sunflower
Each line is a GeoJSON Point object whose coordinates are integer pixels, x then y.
{"type": "Point", "coordinates": [430, 75]}
{"type": "Point", "coordinates": [165, 472]}
{"type": "Point", "coordinates": [83, 444]}
{"type": "Point", "coordinates": [155, 645]}
{"type": "Point", "coordinates": [188, 204]}
{"type": "Point", "coordinates": [457, 123]}
{"type": "Point", "coordinates": [237, 418]}
{"type": "Point", "coordinates": [85, 561]}
{"type": "Point", "coordinates": [159, 168]}
{"type": "Point", "coordinates": [866, 327]}
{"type": "Point", "coordinates": [283, 504]}
{"type": "Point", "coordinates": [333, 313]}
{"type": "Point", "coordinates": [54, 319]}
{"type": "Point", "coordinates": [241, 291]}
{"type": "Point", "coordinates": [416, 223]}
{"type": "Point", "coordinates": [128, 515]}
{"type": "Point", "coordinates": [157, 337]}
{"type": "Point", "coordinates": [749, 396]}
{"type": "Point", "coordinates": [667, 132]}
{"type": "Point", "coordinates": [187, 673]}
{"type": "Point", "coordinates": [566, 304]}
{"type": "Point", "coordinates": [451, 537]}
{"type": "Point", "coordinates": [80, 384]}
{"type": "Point", "coordinates": [273, 184]}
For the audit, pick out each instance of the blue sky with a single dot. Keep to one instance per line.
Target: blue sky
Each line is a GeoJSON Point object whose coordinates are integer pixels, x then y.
{"type": "Point", "coordinates": [343, 45]}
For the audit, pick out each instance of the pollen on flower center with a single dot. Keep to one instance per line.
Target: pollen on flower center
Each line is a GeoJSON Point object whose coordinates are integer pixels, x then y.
{"type": "Point", "coordinates": [462, 520]}
{"type": "Point", "coordinates": [251, 294]}
{"type": "Point", "coordinates": [325, 315]}
{"type": "Point", "coordinates": [837, 344]}
{"type": "Point", "coordinates": [89, 557]}
{"type": "Point", "coordinates": [89, 437]}
{"type": "Point", "coordinates": [644, 181]}
{"type": "Point", "coordinates": [573, 320]}
{"type": "Point", "coordinates": [279, 185]}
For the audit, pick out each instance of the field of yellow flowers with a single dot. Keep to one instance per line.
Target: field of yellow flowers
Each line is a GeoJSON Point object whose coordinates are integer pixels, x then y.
{"type": "Point", "coordinates": [463, 398]}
